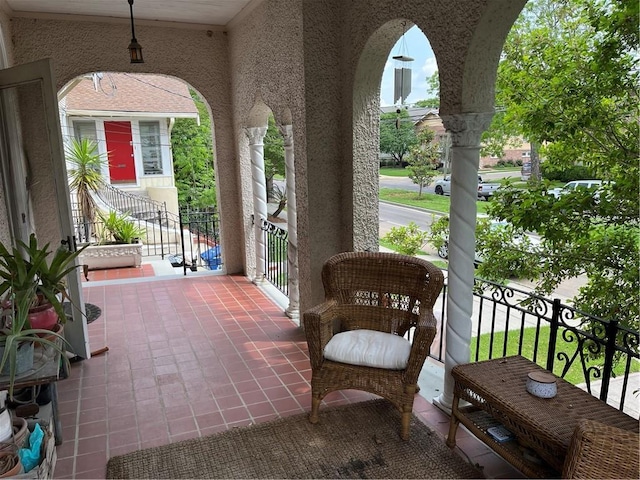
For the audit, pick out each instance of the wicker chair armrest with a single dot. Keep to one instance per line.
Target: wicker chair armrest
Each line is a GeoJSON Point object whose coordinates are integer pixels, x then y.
{"type": "Point", "coordinates": [421, 346]}
{"type": "Point", "coordinates": [597, 450]}
{"type": "Point", "coordinates": [318, 324]}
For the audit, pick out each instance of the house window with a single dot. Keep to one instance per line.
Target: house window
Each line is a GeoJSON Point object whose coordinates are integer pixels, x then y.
{"type": "Point", "coordinates": [526, 154]}
{"type": "Point", "coordinates": [84, 130]}
{"type": "Point", "coordinates": [151, 148]}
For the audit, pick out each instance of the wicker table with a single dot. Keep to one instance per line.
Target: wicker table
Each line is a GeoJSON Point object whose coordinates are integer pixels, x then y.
{"type": "Point", "coordinates": [496, 392]}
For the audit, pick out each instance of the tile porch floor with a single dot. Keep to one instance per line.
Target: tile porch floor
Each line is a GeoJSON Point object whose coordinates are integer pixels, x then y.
{"type": "Point", "coordinates": [188, 357]}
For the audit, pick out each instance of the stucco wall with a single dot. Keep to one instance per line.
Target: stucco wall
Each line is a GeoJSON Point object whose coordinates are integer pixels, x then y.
{"type": "Point", "coordinates": [197, 56]}
{"type": "Point", "coordinates": [267, 73]}
{"type": "Point", "coordinates": [323, 59]}
{"type": "Point", "coordinates": [319, 60]}
{"type": "Point", "coordinates": [5, 51]}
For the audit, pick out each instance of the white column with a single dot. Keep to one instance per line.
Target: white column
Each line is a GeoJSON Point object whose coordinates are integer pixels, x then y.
{"type": "Point", "coordinates": [258, 181]}
{"type": "Point", "coordinates": [465, 130]}
{"type": "Point", "coordinates": [293, 310]}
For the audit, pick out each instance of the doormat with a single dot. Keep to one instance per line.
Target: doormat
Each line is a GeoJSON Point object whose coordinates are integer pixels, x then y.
{"type": "Point", "coordinates": [352, 441]}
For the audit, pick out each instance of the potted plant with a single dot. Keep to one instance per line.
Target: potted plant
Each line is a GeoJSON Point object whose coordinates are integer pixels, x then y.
{"type": "Point", "coordinates": [18, 338]}
{"type": "Point", "coordinates": [119, 228]}
{"type": "Point", "coordinates": [27, 269]}
{"type": "Point", "coordinates": [119, 244]}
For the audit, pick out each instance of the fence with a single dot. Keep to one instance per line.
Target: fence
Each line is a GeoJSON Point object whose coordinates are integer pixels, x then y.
{"type": "Point", "coordinates": [275, 255]}
{"type": "Point", "coordinates": [572, 344]}
{"type": "Point", "coordinates": [202, 247]}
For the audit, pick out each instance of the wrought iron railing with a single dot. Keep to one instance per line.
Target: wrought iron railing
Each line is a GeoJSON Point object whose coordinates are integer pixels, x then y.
{"type": "Point", "coordinates": [201, 234]}
{"type": "Point", "coordinates": [560, 338]}
{"type": "Point", "coordinates": [140, 207]}
{"type": "Point", "coordinates": [275, 255]}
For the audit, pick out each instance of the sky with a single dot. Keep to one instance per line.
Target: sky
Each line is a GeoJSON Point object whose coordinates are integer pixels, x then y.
{"type": "Point", "coordinates": [417, 46]}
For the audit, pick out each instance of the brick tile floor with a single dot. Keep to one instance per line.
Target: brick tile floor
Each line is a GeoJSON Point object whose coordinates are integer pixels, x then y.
{"type": "Point", "coordinates": [193, 356]}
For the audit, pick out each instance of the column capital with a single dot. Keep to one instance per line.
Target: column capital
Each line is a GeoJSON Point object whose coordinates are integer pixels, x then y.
{"type": "Point", "coordinates": [466, 128]}
{"type": "Point", "coordinates": [287, 134]}
{"type": "Point", "coordinates": [255, 134]}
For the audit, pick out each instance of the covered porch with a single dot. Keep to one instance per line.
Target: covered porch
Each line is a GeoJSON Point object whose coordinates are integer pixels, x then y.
{"type": "Point", "coordinates": [190, 357]}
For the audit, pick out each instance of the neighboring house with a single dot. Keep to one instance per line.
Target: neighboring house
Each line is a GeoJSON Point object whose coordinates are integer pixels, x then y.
{"type": "Point", "coordinates": [131, 117]}
{"type": "Point", "coordinates": [425, 117]}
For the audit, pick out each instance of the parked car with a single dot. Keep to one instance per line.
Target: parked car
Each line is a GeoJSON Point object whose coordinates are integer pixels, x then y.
{"type": "Point", "coordinates": [485, 190]}
{"type": "Point", "coordinates": [571, 186]}
{"type": "Point", "coordinates": [525, 171]}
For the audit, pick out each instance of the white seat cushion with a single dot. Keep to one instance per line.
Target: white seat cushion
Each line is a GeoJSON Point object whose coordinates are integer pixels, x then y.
{"type": "Point", "coordinates": [369, 348]}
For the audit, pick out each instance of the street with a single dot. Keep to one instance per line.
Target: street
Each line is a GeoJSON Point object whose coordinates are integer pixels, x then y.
{"type": "Point", "coordinates": [405, 183]}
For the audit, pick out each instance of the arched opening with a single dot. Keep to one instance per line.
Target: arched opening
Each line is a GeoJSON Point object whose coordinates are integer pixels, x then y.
{"type": "Point", "coordinates": [274, 219]}
{"type": "Point", "coordinates": [140, 160]}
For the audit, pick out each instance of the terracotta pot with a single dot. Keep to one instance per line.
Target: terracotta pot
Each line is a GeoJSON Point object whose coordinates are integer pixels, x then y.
{"type": "Point", "coordinates": [20, 430]}
{"type": "Point", "coordinates": [10, 465]}
{"type": "Point", "coordinates": [57, 328]}
{"type": "Point", "coordinates": [43, 316]}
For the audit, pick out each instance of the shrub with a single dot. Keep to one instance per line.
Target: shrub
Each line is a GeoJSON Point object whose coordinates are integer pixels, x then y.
{"type": "Point", "coordinates": [565, 174]}
{"type": "Point", "coordinates": [407, 240]}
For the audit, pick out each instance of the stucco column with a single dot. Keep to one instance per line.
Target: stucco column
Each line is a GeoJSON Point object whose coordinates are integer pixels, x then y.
{"type": "Point", "coordinates": [465, 130]}
{"type": "Point", "coordinates": [259, 185]}
{"type": "Point", "coordinates": [293, 310]}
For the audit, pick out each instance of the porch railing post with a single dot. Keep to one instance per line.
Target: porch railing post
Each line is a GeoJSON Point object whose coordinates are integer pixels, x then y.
{"type": "Point", "coordinates": [553, 332]}
{"type": "Point", "coordinates": [609, 352]}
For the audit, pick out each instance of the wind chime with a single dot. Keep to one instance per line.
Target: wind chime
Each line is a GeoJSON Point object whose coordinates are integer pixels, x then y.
{"type": "Point", "coordinates": [402, 77]}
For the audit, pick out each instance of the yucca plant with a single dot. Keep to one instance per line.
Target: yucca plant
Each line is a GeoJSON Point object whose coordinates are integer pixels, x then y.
{"type": "Point", "coordinates": [85, 176]}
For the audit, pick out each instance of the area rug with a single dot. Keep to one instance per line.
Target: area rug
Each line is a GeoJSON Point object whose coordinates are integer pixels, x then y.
{"type": "Point", "coordinates": [351, 441]}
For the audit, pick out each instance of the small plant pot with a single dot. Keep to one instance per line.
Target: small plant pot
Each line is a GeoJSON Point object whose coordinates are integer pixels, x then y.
{"type": "Point", "coordinates": [43, 316]}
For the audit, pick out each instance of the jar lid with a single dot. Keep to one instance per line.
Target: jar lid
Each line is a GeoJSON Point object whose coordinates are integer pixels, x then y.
{"type": "Point", "coordinates": [542, 377]}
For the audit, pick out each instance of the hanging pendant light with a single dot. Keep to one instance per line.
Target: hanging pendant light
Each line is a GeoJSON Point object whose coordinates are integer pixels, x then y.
{"type": "Point", "coordinates": [135, 49]}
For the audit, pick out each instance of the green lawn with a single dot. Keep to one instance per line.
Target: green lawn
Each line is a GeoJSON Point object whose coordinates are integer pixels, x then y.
{"type": "Point", "coordinates": [574, 375]}
{"type": "Point", "coordinates": [438, 203]}
{"type": "Point", "coordinates": [394, 172]}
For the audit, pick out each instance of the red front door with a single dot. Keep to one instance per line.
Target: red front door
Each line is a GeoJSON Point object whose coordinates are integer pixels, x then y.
{"type": "Point", "coordinates": [122, 168]}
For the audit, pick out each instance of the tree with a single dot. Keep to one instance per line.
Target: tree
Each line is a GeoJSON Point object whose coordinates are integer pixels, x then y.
{"type": "Point", "coordinates": [397, 135]}
{"type": "Point", "coordinates": [433, 92]}
{"type": "Point", "coordinates": [192, 147]}
{"type": "Point", "coordinates": [569, 79]}
{"type": "Point", "coordinates": [273, 156]}
{"type": "Point", "coordinates": [423, 159]}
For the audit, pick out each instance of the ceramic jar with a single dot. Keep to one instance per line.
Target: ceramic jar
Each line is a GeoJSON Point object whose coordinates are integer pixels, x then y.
{"type": "Point", "coordinates": [542, 384]}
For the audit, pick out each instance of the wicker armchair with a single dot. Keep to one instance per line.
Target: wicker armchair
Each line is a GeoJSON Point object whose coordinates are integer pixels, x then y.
{"type": "Point", "coordinates": [371, 293]}
{"type": "Point", "coordinates": [601, 451]}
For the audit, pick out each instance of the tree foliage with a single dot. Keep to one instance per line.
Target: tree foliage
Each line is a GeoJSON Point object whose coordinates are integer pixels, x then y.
{"type": "Point", "coordinates": [192, 146]}
{"type": "Point", "coordinates": [397, 135]}
{"type": "Point", "coordinates": [569, 81]}
{"type": "Point", "coordinates": [433, 92]}
{"type": "Point", "coordinates": [273, 154]}
{"type": "Point", "coordinates": [423, 159]}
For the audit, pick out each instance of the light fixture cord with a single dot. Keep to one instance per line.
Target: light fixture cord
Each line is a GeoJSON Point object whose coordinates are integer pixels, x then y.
{"type": "Point", "coordinates": [133, 31]}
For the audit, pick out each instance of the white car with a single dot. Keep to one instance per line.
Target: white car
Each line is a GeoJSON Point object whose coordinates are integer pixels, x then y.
{"type": "Point", "coordinates": [571, 186]}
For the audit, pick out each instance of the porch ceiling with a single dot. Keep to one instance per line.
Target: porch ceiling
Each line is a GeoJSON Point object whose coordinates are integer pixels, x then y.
{"type": "Point", "coordinates": [208, 12]}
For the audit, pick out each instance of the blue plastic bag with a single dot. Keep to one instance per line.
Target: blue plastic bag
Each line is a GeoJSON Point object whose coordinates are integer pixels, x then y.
{"type": "Point", "coordinates": [30, 457]}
